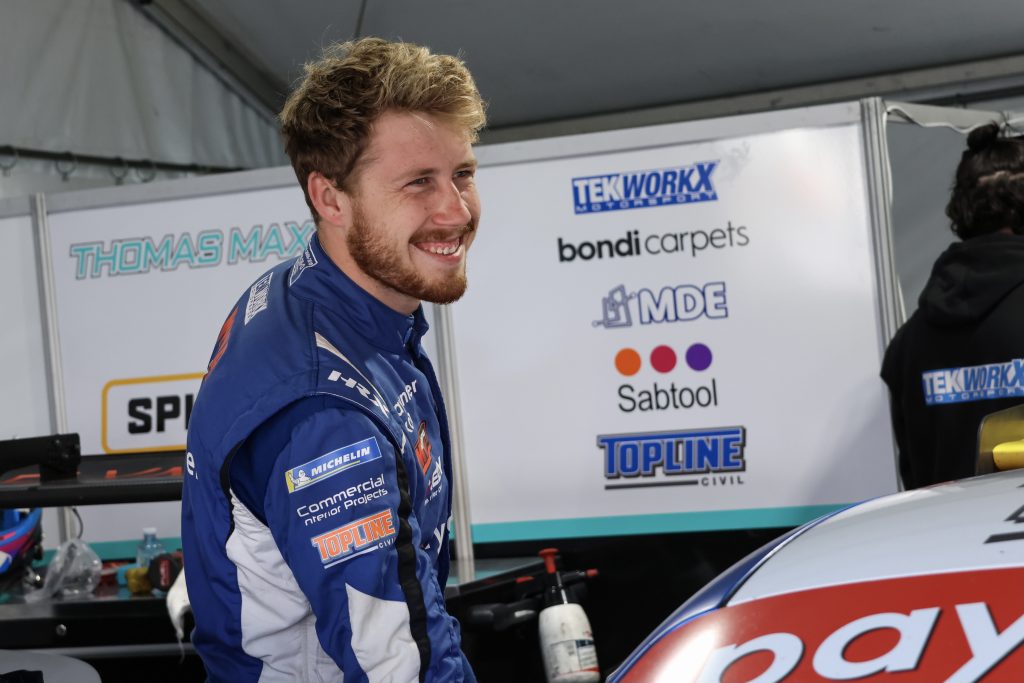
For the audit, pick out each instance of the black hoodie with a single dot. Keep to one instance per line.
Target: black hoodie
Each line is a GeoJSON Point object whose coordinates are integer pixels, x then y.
{"type": "Point", "coordinates": [970, 314]}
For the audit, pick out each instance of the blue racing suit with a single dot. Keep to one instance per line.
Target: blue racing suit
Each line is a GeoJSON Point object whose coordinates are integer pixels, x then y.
{"type": "Point", "coordinates": [317, 500]}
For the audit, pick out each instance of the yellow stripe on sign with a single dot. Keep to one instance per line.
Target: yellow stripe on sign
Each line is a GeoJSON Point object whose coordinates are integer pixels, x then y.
{"type": "Point", "coordinates": [138, 380]}
{"type": "Point", "coordinates": [1009, 455]}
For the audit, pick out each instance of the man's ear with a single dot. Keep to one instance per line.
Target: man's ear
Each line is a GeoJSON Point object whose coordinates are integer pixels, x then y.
{"type": "Point", "coordinates": [333, 205]}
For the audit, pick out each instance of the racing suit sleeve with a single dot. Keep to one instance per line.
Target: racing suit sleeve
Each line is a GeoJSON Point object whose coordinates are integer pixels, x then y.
{"type": "Point", "coordinates": [338, 502]}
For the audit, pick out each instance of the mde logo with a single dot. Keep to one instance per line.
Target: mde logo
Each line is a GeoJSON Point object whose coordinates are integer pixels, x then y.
{"type": "Point", "coordinates": [679, 303]}
{"type": "Point", "coordinates": [957, 627]}
{"type": "Point", "coordinates": [147, 414]}
{"type": "Point", "coordinates": [658, 396]}
{"type": "Point", "coordinates": [641, 189]}
{"type": "Point", "coordinates": [677, 458]}
{"type": "Point", "coordinates": [356, 538]}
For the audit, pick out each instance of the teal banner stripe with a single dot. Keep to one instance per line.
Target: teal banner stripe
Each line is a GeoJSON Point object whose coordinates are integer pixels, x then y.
{"type": "Point", "coordinates": [628, 525]}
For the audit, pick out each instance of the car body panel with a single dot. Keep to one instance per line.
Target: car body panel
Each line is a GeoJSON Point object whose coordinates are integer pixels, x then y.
{"type": "Point", "coordinates": [955, 627]}
{"type": "Point", "coordinates": [923, 586]}
{"type": "Point", "coordinates": [715, 594]}
{"type": "Point", "coordinates": [937, 529]}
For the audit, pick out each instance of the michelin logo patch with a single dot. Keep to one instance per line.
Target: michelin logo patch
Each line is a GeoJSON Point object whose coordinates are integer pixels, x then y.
{"type": "Point", "coordinates": [975, 383]}
{"type": "Point", "coordinates": [329, 464]}
{"type": "Point", "coordinates": [355, 538]}
{"type": "Point", "coordinates": [641, 189]}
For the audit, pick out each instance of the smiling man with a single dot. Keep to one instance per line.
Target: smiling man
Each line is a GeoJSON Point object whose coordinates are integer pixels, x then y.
{"type": "Point", "coordinates": [315, 522]}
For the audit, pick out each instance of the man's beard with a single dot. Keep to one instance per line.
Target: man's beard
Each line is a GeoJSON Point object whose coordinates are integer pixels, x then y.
{"type": "Point", "coordinates": [381, 259]}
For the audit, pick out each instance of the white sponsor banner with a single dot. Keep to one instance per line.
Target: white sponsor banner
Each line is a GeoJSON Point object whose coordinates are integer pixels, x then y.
{"type": "Point", "coordinates": [141, 290]}
{"type": "Point", "coordinates": [674, 337]}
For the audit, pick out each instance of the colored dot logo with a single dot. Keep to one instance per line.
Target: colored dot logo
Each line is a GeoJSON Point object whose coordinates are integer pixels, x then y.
{"type": "Point", "coordinates": [663, 359]}
{"type": "Point", "coordinates": [698, 357]}
{"type": "Point", "coordinates": [627, 361]}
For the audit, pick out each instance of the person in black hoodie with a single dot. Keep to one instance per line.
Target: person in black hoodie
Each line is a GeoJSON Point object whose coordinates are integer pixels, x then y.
{"type": "Point", "coordinates": [961, 354]}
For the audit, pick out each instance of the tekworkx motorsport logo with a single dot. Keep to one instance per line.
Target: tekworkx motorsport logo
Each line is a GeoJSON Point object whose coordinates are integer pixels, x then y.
{"type": "Point", "coordinates": [676, 458]}
{"type": "Point", "coordinates": [974, 383]}
{"type": "Point", "coordinates": [643, 189]}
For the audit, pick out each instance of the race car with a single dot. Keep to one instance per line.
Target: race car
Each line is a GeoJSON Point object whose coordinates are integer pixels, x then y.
{"type": "Point", "coordinates": [922, 586]}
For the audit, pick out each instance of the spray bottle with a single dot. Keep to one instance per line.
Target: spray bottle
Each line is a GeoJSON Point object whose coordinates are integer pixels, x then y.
{"type": "Point", "coordinates": [566, 641]}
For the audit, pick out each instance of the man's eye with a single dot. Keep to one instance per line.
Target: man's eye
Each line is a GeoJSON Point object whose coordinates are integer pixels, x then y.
{"type": "Point", "coordinates": [420, 181]}
{"type": "Point", "coordinates": [467, 173]}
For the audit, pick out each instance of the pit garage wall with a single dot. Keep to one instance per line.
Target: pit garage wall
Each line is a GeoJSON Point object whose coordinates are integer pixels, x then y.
{"type": "Point", "coordinates": [556, 492]}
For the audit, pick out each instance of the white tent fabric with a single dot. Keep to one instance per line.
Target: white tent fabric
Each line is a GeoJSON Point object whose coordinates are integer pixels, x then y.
{"type": "Point", "coordinates": [96, 77]}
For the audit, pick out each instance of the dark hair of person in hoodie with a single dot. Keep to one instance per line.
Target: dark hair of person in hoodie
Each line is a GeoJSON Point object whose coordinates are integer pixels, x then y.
{"type": "Point", "coordinates": [988, 194]}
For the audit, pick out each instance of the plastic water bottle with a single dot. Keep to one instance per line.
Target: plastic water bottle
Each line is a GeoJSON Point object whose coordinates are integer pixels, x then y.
{"type": "Point", "coordinates": [149, 547]}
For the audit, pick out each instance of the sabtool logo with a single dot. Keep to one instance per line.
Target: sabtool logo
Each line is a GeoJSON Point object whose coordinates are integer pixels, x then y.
{"type": "Point", "coordinates": [659, 395]}
{"type": "Point", "coordinates": [642, 189]}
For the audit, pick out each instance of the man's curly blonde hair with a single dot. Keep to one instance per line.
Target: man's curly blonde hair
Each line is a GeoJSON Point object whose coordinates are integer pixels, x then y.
{"type": "Point", "coordinates": [326, 120]}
